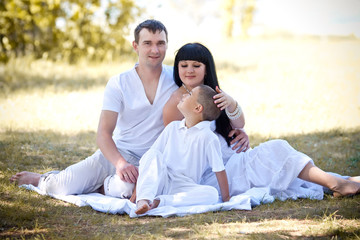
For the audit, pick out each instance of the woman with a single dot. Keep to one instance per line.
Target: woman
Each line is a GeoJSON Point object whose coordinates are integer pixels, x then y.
{"type": "Point", "coordinates": [273, 164]}
{"type": "Point", "coordinates": [194, 65]}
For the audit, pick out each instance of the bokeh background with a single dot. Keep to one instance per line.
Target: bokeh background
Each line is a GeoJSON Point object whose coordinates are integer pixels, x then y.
{"type": "Point", "coordinates": [294, 66]}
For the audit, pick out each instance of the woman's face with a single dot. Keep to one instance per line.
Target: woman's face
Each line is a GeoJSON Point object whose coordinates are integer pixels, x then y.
{"type": "Point", "coordinates": [192, 73]}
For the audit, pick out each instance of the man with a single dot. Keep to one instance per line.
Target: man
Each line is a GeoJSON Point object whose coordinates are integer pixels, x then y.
{"type": "Point", "coordinates": [130, 121]}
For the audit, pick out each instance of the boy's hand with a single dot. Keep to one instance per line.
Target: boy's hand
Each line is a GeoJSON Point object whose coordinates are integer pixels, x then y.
{"type": "Point", "coordinates": [226, 199]}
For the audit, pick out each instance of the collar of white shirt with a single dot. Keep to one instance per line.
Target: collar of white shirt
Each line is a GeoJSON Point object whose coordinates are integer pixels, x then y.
{"type": "Point", "coordinates": [200, 125]}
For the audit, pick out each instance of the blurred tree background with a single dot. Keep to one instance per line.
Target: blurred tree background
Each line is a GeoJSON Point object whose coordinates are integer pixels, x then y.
{"type": "Point", "coordinates": [238, 12]}
{"type": "Point", "coordinates": [69, 30]}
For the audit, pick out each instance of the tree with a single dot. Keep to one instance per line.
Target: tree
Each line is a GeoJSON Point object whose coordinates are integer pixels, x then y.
{"type": "Point", "coordinates": [238, 9]}
{"type": "Point", "coordinates": [65, 29]}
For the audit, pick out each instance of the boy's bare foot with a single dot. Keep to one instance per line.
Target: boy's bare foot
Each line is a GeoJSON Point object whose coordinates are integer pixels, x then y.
{"type": "Point", "coordinates": [142, 206]}
{"type": "Point", "coordinates": [26, 178]}
{"type": "Point", "coordinates": [155, 203]}
{"type": "Point", "coordinates": [347, 188]}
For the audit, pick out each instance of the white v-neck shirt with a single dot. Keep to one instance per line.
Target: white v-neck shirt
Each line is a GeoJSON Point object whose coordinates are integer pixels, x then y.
{"type": "Point", "coordinates": [139, 122]}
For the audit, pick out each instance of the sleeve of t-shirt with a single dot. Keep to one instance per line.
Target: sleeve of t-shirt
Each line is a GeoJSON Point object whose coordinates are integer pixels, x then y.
{"type": "Point", "coordinates": [213, 152]}
{"type": "Point", "coordinates": [113, 98]}
{"type": "Point", "coordinates": [163, 138]}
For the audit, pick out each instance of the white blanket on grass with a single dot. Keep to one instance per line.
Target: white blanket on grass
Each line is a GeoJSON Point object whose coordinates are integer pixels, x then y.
{"type": "Point", "coordinates": [244, 201]}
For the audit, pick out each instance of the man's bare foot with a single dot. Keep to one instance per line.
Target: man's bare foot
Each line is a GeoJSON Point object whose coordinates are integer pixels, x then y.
{"type": "Point", "coordinates": [26, 178]}
{"type": "Point", "coordinates": [142, 206]}
{"type": "Point", "coordinates": [347, 188]}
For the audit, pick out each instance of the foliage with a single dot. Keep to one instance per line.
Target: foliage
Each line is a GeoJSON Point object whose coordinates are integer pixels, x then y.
{"type": "Point", "coordinates": [238, 13]}
{"type": "Point", "coordinates": [70, 29]}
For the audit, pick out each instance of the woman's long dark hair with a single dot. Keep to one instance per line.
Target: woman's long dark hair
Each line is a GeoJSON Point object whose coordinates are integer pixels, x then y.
{"type": "Point", "coordinates": [198, 52]}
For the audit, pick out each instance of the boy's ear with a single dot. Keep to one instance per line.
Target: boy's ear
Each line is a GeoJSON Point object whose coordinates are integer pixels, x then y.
{"type": "Point", "coordinates": [199, 108]}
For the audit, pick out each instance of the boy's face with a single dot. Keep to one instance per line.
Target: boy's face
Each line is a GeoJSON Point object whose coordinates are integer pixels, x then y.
{"type": "Point", "coordinates": [189, 102]}
{"type": "Point", "coordinates": [151, 48]}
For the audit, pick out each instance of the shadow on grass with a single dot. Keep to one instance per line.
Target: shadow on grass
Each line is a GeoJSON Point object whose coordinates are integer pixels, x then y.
{"type": "Point", "coordinates": [26, 214]}
{"type": "Point", "coordinates": [44, 149]}
{"type": "Point", "coordinates": [337, 150]}
{"type": "Point", "coordinates": [334, 151]}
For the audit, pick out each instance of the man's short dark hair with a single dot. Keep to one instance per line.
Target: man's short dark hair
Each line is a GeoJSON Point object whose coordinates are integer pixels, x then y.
{"type": "Point", "coordinates": [152, 25]}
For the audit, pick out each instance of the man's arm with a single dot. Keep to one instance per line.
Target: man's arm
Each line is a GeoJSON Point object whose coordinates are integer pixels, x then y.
{"type": "Point", "coordinates": [224, 185]}
{"type": "Point", "coordinates": [107, 123]}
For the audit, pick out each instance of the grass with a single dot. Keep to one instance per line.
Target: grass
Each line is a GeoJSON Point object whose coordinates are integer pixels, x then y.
{"type": "Point", "coordinates": [306, 91]}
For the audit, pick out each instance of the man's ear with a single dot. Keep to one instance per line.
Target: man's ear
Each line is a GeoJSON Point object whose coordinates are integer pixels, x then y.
{"type": "Point", "coordinates": [135, 46]}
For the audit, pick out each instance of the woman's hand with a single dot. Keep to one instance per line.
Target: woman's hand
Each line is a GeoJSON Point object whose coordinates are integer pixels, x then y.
{"type": "Point", "coordinates": [223, 100]}
{"type": "Point", "coordinates": [240, 139]}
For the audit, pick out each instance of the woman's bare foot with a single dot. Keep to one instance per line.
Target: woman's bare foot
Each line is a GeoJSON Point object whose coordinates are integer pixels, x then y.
{"type": "Point", "coordinates": [354, 179]}
{"type": "Point", "coordinates": [142, 206]}
{"type": "Point", "coordinates": [347, 188]}
{"type": "Point", "coordinates": [26, 178]}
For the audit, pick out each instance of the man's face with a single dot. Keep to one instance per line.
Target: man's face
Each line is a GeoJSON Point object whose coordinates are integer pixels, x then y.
{"type": "Point", "coordinates": [151, 47]}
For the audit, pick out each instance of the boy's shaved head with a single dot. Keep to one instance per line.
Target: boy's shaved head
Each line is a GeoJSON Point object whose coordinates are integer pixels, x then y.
{"type": "Point", "coordinates": [205, 98]}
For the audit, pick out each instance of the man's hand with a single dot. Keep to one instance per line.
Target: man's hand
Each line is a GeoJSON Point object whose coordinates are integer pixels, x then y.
{"type": "Point", "coordinates": [127, 172]}
{"type": "Point", "coordinates": [241, 139]}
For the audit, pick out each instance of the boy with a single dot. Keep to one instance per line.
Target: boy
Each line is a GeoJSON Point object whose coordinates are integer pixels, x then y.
{"type": "Point", "coordinates": [170, 172]}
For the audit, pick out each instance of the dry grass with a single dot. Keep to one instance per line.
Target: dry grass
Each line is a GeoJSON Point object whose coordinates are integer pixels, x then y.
{"type": "Point", "coordinates": [295, 86]}
{"type": "Point", "coordinates": [306, 91]}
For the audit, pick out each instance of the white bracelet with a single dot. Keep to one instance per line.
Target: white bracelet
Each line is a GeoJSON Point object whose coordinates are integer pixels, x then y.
{"type": "Point", "coordinates": [235, 114]}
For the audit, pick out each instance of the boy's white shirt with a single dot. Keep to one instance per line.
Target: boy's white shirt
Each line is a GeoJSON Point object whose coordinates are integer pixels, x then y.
{"type": "Point", "coordinates": [190, 151]}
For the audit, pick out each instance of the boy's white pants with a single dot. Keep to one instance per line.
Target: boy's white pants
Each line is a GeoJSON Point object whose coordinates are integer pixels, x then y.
{"type": "Point", "coordinates": [156, 182]}
{"type": "Point", "coordinates": [85, 176]}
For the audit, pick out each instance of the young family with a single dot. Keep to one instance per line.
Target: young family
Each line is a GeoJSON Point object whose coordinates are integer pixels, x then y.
{"type": "Point", "coordinates": [201, 150]}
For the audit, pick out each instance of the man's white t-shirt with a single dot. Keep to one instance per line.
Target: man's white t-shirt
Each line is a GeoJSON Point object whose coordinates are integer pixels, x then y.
{"type": "Point", "coordinates": [190, 151]}
{"type": "Point", "coordinates": [139, 123]}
